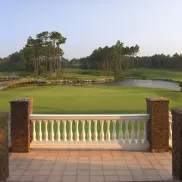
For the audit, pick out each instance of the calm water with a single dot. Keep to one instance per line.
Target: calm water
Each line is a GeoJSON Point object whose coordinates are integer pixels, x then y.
{"type": "Point", "coordinates": [145, 83]}
{"type": "Point", "coordinates": [136, 83]}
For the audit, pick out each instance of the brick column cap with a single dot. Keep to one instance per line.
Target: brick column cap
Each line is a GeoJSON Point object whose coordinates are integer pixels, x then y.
{"type": "Point", "coordinates": [21, 100]}
{"type": "Point", "coordinates": [157, 99]}
{"type": "Point", "coordinates": [177, 111]}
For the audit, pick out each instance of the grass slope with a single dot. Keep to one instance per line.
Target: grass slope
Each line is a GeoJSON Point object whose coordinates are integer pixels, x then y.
{"type": "Point", "coordinates": [88, 99]}
{"type": "Point", "coordinates": [154, 73]}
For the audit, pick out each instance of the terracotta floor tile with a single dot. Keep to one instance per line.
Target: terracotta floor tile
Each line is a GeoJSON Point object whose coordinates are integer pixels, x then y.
{"type": "Point", "coordinates": [30, 172]}
{"type": "Point", "coordinates": [17, 172]}
{"type": "Point", "coordinates": [34, 166]}
{"type": "Point", "coordinates": [163, 172]}
{"type": "Point", "coordinates": [167, 178]}
{"type": "Point", "coordinates": [90, 166]}
{"type": "Point", "coordinates": [150, 172]}
{"type": "Point", "coordinates": [110, 173]}
{"type": "Point", "coordinates": [71, 167]}
{"type": "Point", "coordinates": [69, 179]}
{"type": "Point", "coordinates": [70, 173]}
{"type": "Point", "coordinates": [83, 158]}
{"type": "Point", "coordinates": [56, 173]}
{"type": "Point", "coordinates": [58, 167]}
{"type": "Point", "coordinates": [22, 166]}
{"type": "Point", "coordinates": [96, 167]}
{"type": "Point", "coordinates": [164, 162]}
{"type": "Point", "coordinates": [123, 172]}
{"type": "Point", "coordinates": [139, 177]}
{"type": "Point", "coordinates": [137, 173]}
{"type": "Point", "coordinates": [154, 178]}
{"type": "Point", "coordinates": [109, 167]}
{"type": "Point", "coordinates": [54, 178]}
{"type": "Point", "coordinates": [169, 171]}
{"type": "Point", "coordinates": [155, 162]}
{"type": "Point", "coordinates": [45, 162]}
{"type": "Point", "coordinates": [111, 178]}
{"type": "Point", "coordinates": [147, 166]}
{"type": "Point", "coordinates": [132, 162]}
{"type": "Point", "coordinates": [41, 178]}
{"type": "Point", "coordinates": [83, 173]}
{"type": "Point", "coordinates": [43, 172]}
{"type": "Point", "coordinates": [13, 178]}
{"type": "Point", "coordinates": [122, 166]}
{"type": "Point", "coordinates": [97, 178]}
{"type": "Point", "coordinates": [83, 166]}
{"type": "Point", "coordinates": [158, 166]}
{"type": "Point", "coordinates": [95, 158]}
{"type": "Point", "coordinates": [46, 166]}
{"type": "Point", "coordinates": [117, 153]}
{"type": "Point", "coordinates": [82, 178]}
{"type": "Point", "coordinates": [27, 161]}
{"type": "Point", "coordinates": [125, 178]}
{"type": "Point", "coordinates": [96, 172]}
{"type": "Point", "coordinates": [133, 166]}
{"type": "Point", "coordinates": [167, 166]}
{"type": "Point", "coordinates": [13, 167]}
{"type": "Point", "coordinates": [26, 178]}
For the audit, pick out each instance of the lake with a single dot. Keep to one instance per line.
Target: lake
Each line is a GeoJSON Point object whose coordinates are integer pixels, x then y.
{"type": "Point", "coordinates": [144, 83]}
{"type": "Point", "coordinates": [135, 83]}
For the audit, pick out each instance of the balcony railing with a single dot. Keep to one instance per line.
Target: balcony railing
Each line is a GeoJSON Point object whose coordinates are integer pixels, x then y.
{"type": "Point", "coordinates": [170, 130]}
{"type": "Point", "coordinates": [118, 131]}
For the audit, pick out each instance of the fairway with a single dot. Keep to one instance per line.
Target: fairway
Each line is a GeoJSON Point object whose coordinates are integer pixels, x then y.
{"type": "Point", "coordinates": [88, 99]}
{"type": "Point", "coordinates": [164, 74]}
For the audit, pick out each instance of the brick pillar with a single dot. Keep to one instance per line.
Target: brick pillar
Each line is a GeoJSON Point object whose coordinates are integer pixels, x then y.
{"type": "Point", "coordinates": [158, 125]}
{"type": "Point", "coordinates": [20, 124]}
{"type": "Point", "coordinates": [177, 143]}
{"type": "Point", "coordinates": [4, 158]}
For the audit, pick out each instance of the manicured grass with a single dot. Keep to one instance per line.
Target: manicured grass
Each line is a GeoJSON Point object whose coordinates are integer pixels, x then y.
{"type": "Point", "coordinates": [88, 99]}
{"type": "Point", "coordinates": [84, 74]}
{"type": "Point", "coordinates": [4, 74]}
{"type": "Point", "coordinates": [170, 74]}
{"type": "Point", "coordinates": [153, 74]}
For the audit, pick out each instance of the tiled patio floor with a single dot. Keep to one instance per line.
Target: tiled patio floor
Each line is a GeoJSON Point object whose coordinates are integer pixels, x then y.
{"type": "Point", "coordinates": [90, 166]}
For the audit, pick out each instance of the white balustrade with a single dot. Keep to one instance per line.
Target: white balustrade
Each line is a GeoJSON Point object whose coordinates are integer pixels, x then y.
{"type": "Point", "coordinates": [83, 130]}
{"type": "Point", "coordinates": [133, 131]}
{"type": "Point", "coordinates": [121, 131]}
{"type": "Point", "coordinates": [139, 133]}
{"type": "Point", "coordinates": [89, 131]}
{"type": "Point", "coordinates": [58, 130]}
{"type": "Point", "coordinates": [45, 132]}
{"type": "Point", "coordinates": [126, 132]}
{"type": "Point", "coordinates": [34, 131]}
{"type": "Point", "coordinates": [40, 131]}
{"type": "Point", "coordinates": [95, 131]}
{"type": "Point", "coordinates": [114, 131]}
{"type": "Point", "coordinates": [64, 131]}
{"type": "Point", "coordinates": [77, 131]}
{"type": "Point", "coordinates": [108, 131]}
{"type": "Point", "coordinates": [126, 137]}
{"type": "Point", "coordinates": [102, 131]}
{"type": "Point", "coordinates": [170, 130]}
{"type": "Point", "coordinates": [71, 131]}
{"type": "Point", "coordinates": [52, 130]}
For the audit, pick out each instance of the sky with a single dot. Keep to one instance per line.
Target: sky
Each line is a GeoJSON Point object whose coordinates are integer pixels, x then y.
{"type": "Point", "coordinates": [155, 25]}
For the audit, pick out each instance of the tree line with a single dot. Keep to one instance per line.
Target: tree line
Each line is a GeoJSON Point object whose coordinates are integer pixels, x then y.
{"type": "Point", "coordinates": [41, 54]}
{"type": "Point", "coordinates": [118, 57]}
{"type": "Point", "coordinates": [114, 58]}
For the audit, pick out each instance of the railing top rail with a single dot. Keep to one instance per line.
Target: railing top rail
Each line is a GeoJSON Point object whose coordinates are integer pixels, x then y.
{"type": "Point", "coordinates": [88, 116]}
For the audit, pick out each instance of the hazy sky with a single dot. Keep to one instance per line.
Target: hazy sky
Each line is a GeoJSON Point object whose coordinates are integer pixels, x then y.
{"type": "Point", "coordinates": [155, 25]}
